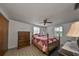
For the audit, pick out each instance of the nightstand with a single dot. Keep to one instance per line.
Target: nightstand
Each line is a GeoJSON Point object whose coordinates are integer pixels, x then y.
{"type": "Point", "coordinates": [63, 52]}
{"type": "Point", "coordinates": [69, 49]}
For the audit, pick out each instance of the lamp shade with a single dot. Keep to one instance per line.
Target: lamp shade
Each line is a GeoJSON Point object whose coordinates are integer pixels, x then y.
{"type": "Point", "coordinates": [74, 30]}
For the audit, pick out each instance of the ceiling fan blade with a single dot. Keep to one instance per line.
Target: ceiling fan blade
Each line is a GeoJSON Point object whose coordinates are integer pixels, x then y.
{"type": "Point", "coordinates": [49, 22]}
{"type": "Point", "coordinates": [45, 21]}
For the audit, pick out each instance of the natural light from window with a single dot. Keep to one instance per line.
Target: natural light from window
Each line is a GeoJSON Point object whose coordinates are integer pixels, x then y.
{"type": "Point", "coordinates": [59, 31]}
{"type": "Point", "coordinates": [36, 30]}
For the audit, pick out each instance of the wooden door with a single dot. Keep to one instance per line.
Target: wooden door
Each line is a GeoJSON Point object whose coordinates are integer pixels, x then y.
{"type": "Point", "coordinates": [23, 39]}
{"type": "Point", "coordinates": [3, 35]}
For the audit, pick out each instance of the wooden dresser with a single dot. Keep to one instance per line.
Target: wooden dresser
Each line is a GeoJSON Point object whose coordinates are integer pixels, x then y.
{"type": "Point", "coordinates": [23, 39]}
{"type": "Point", "coordinates": [3, 34]}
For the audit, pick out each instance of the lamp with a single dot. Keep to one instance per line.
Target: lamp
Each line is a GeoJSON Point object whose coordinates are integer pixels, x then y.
{"type": "Point", "coordinates": [74, 31]}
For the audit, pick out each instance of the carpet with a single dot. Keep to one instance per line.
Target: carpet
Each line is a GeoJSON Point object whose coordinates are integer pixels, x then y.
{"type": "Point", "coordinates": [27, 51]}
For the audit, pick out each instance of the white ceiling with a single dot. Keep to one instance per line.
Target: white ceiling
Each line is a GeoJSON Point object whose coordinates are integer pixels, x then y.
{"type": "Point", "coordinates": [35, 13]}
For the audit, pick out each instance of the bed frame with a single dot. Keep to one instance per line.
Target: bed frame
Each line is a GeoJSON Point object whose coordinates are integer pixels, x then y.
{"type": "Point", "coordinates": [54, 45]}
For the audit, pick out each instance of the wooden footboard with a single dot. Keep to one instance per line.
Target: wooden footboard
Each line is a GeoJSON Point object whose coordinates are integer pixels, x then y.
{"type": "Point", "coordinates": [38, 46]}
{"type": "Point", "coordinates": [50, 47]}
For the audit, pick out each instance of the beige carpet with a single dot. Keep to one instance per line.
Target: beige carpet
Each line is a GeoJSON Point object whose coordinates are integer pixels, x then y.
{"type": "Point", "coordinates": [27, 51]}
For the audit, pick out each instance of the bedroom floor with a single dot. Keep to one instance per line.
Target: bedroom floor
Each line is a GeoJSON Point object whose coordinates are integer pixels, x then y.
{"type": "Point", "coordinates": [28, 51]}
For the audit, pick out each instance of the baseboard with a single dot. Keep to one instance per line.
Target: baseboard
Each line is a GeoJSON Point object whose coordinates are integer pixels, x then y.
{"type": "Point", "coordinates": [12, 48]}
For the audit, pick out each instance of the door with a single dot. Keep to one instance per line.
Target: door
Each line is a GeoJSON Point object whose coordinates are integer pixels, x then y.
{"type": "Point", "coordinates": [3, 35]}
{"type": "Point", "coordinates": [23, 39]}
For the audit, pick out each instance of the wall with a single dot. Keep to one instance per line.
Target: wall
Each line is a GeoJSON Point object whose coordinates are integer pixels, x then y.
{"type": "Point", "coordinates": [50, 30]}
{"type": "Point", "coordinates": [64, 38]}
{"type": "Point", "coordinates": [14, 27]}
{"type": "Point", "coordinates": [43, 30]}
{"type": "Point", "coordinates": [66, 28]}
{"type": "Point", "coordinates": [2, 12]}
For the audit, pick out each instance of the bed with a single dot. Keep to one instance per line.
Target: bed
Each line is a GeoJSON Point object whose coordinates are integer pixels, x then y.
{"type": "Point", "coordinates": [44, 43]}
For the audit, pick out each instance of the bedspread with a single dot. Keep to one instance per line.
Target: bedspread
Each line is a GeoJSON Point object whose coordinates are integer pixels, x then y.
{"type": "Point", "coordinates": [44, 41]}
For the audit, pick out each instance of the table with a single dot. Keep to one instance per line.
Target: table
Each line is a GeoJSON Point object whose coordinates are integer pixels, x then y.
{"type": "Point", "coordinates": [69, 49]}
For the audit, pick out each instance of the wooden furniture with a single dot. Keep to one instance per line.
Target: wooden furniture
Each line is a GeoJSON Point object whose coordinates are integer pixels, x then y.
{"type": "Point", "coordinates": [69, 49]}
{"type": "Point", "coordinates": [63, 52]}
{"type": "Point", "coordinates": [23, 39]}
{"type": "Point", "coordinates": [3, 34]}
{"type": "Point", "coordinates": [44, 43]}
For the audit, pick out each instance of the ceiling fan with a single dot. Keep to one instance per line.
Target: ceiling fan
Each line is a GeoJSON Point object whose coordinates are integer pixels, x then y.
{"type": "Point", "coordinates": [45, 21]}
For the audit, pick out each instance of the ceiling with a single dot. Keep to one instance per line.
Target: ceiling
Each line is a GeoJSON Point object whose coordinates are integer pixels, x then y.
{"type": "Point", "coordinates": [35, 13]}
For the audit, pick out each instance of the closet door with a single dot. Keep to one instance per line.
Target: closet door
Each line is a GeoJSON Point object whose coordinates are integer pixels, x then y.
{"type": "Point", "coordinates": [23, 39]}
{"type": "Point", "coordinates": [3, 35]}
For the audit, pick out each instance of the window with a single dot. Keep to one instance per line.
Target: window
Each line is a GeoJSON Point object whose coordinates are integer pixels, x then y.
{"type": "Point", "coordinates": [36, 30]}
{"type": "Point", "coordinates": [60, 28]}
{"type": "Point", "coordinates": [58, 31]}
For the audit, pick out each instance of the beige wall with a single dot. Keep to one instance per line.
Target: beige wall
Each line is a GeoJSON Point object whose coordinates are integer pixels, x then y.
{"type": "Point", "coordinates": [64, 38]}
{"type": "Point", "coordinates": [50, 30]}
{"type": "Point", "coordinates": [14, 27]}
